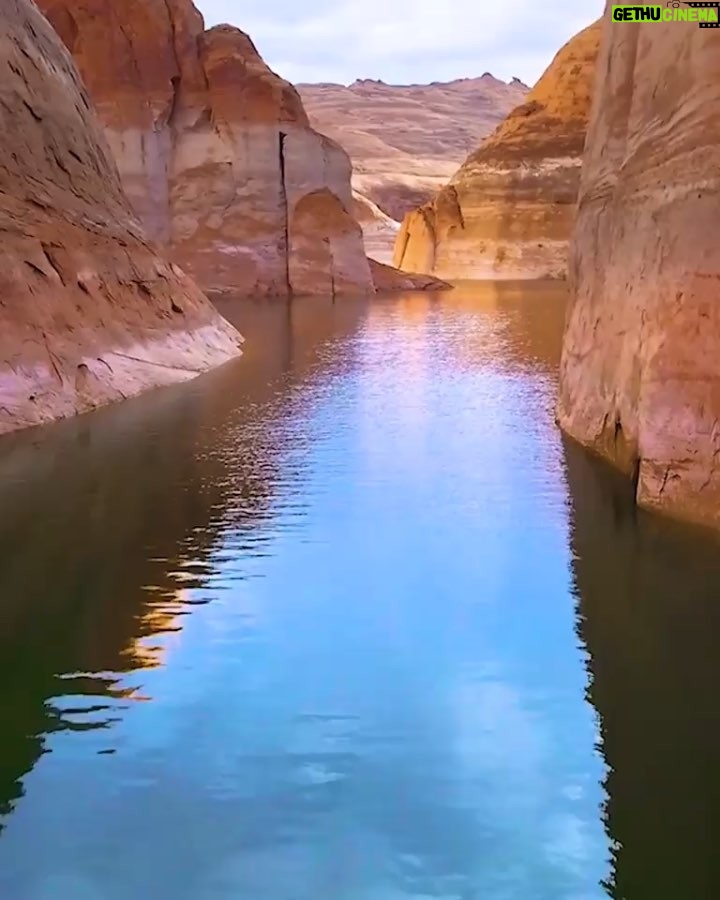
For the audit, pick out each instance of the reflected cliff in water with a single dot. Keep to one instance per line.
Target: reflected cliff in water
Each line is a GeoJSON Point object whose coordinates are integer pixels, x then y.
{"type": "Point", "coordinates": [521, 320]}
{"type": "Point", "coordinates": [311, 618]}
{"type": "Point", "coordinates": [649, 614]}
{"type": "Point", "coordinates": [108, 521]}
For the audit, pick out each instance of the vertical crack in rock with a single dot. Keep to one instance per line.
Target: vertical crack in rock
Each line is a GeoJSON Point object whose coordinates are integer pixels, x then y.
{"type": "Point", "coordinates": [401, 245]}
{"type": "Point", "coordinates": [331, 266]}
{"type": "Point", "coordinates": [175, 80]}
{"type": "Point", "coordinates": [635, 475]}
{"type": "Point", "coordinates": [286, 216]}
{"type": "Point", "coordinates": [168, 123]}
{"type": "Point", "coordinates": [427, 214]}
{"type": "Point", "coordinates": [189, 113]}
{"type": "Point", "coordinates": [173, 104]}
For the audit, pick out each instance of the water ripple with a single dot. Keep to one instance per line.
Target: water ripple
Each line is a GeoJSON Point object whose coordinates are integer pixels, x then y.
{"type": "Point", "coordinates": [304, 628]}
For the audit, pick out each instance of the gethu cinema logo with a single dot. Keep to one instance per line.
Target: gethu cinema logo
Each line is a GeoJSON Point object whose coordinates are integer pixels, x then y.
{"type": "Point", "coordinates": [707, 15]}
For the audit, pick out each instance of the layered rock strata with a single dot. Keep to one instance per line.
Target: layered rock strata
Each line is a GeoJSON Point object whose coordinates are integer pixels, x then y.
{"type": "Point", "coordinates": [89, 312]}
{"type": "Point", "coordinates": [508, 211]}
{"type": "Point", "coordinates": [405, 141]}
{"type": "Point", "coordinates": [639, 375]}
{"type": "Point", "coordinates": [215, 151]}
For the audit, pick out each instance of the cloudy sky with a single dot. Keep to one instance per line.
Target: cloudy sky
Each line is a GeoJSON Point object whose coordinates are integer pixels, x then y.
{"type": "Point", "coordinates": [405, 41]}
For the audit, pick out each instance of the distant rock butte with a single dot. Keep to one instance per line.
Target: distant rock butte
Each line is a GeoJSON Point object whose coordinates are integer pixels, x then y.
{"type": "Point", "coordinates": [405, 142]}
{"type": "Point", "coordinates": [214, 150]}
{"type": "Point", "coordinates": [508, 211]}
{"type": "Point", "coordinates": [89, 313]}
{"type": "Point", "coordinates": [639, 374]}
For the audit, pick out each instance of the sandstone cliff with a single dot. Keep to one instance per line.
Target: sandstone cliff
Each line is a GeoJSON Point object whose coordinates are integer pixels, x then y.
{"type": "Point", "coordinates": [88, 311]}
{"type": "Point", "coordinates": [639, 375]}
{"type": "Point", "coordinates": [405, 141]}
{"type": "Point", "coordinates": [508, 210]}
{"type": "Point", "coordinates": [214, 150]}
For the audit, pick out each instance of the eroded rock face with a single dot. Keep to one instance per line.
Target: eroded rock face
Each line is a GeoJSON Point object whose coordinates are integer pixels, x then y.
{"type": "Point", "coordinates": [406, 141]}
{"type": "Point", "coordinates": [639, 374]}
{"type": "Point", "coordinates": [508, 211]}
{"type": "Point", "coordinates": [379, 230]}
{"type": "Point", "coordinates": [214, 150]}
{"type": "Point", "coordinates": [89, 313]}
{"type": "Point", "coordinates": [332, 264]}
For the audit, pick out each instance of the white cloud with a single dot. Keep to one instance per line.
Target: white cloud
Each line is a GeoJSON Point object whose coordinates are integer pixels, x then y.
{"type": "Point", "coordinates": [403, 41]}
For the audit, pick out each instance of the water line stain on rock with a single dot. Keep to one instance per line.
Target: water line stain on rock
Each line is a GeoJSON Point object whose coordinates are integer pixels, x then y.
{"type": "Point", "coordinates": [72, 254]}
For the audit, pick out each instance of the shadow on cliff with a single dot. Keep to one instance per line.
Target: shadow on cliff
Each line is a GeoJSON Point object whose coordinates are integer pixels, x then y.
{"type": "Point", "coordinates": [109, 521]}
{"type": "Point", "coordinates": [649, 614]}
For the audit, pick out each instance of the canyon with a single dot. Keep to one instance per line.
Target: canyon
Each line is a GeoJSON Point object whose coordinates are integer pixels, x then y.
{"type": "Point", "coordinates": [89, 312]}
{"type": "Point", "coordinates": [215, 150]}
{"type": "Point", "coordinates": [349, 616]}
{"type": "Point", "coordinates": [406, 141]}
{"type": "Point", "coordinates": [508, 211]}
{"type": "Point", "coordinates": [639, 381]}
{"type": "Point", "coordinates": [200, 151]}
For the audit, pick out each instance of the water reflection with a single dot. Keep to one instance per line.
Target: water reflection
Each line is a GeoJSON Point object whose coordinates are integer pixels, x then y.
{"type": "Point", "coordinates": [310, 621]}
{"type": "Point", "coordinates": [650, 616]}
{"type": "Point", "coordinates": [108, 521]}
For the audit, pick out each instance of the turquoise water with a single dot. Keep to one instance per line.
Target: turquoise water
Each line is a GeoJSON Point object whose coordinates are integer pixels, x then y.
{"type": "Point", "coordinates": [345, 620]}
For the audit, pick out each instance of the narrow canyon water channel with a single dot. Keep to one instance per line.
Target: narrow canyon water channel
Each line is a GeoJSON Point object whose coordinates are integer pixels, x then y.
{"type": "Point", "coordinates": [348, 620]}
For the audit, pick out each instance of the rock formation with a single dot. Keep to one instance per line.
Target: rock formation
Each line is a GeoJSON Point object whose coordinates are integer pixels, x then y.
{"type": "Point", "coordinates": [89, 313]}
{"type": "Point", "coordinates": [214, 150]}
{"type": "Point", "coordinates": [379, 230]}
{"type": "Point", "coordinates": [639, 375]}
{"type": "Point", "coordinates": [405, 141]}
{"type": "Point", "coordinates": [386, 278]}
{"type": "Point", "coordinates": [508, 210]}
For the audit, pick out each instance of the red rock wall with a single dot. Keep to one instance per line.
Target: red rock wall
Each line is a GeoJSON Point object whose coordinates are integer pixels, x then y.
{"type": "Point", "coordinates": [89, 313]}
{"type": "Point", "coordinates": [639, 376]}
{"type": "Point", "coordinates": [214, 150]}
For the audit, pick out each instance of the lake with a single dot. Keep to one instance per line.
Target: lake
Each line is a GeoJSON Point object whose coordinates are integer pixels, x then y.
{"type": "Point", "coordinates": [347, 619]}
